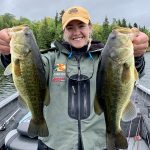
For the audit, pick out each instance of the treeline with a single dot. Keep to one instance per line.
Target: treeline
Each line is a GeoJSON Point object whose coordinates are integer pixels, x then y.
{"type": "Point", "coordinates": [49, 29]}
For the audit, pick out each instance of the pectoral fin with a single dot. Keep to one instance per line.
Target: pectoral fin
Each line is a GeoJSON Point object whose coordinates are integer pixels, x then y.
{"type": "Point", "coordinates": [47, 97]}
{"type": "Point", "coordinates": [129, 112]}
{"type": "Point", "coordinates": [8, 70]}
{"type": "Point", "coordinates": [97, 107]}
{"type": "Point", "coordinates": [136, 75]}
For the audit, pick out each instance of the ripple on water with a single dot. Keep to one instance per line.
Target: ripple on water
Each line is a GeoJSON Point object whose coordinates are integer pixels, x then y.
{"type": "Point", "coordinates": [6, 86]}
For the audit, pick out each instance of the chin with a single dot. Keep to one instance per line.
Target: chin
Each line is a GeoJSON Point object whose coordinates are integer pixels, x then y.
{"type": "Point", "coordinates": [77, 45]}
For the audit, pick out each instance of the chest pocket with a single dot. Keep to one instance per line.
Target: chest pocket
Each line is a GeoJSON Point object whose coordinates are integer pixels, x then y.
{"type": "Point", "coordinates": [79, 97]}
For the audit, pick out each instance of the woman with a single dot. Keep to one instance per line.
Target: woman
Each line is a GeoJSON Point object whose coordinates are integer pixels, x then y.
{"type": "Point", "coordinates": [71, 74]}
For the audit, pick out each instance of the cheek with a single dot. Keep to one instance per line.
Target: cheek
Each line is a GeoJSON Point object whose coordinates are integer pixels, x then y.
{"type": "Point", "coordinates": [86, 32]}
{"type": "Point", "coordinates": [86, 35]}
{"type": "Point", "coordinates": [66, 36]}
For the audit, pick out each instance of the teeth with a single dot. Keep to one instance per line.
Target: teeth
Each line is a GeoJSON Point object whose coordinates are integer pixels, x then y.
{"type": "Point", "coordinates": [77, 39]}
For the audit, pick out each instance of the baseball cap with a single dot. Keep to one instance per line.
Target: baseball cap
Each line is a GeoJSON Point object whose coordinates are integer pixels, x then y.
{"type": "Point", "coordinates": [75, 13]}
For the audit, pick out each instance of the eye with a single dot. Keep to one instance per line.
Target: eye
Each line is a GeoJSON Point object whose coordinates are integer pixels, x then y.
{"type": "Point", "coordinates": [82, 26]}
{"type": "Point", "coordinates": [69, 27]}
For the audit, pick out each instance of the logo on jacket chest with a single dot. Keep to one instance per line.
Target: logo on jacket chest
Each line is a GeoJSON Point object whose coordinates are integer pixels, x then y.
{"type": "Point", "coordinates": [60, 67]}
{"type": "Point", "coordinates": [59, 73]}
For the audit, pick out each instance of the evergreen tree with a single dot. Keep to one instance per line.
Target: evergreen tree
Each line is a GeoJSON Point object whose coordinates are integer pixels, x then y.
{"type": "Point", "coordinates": [129, 25]}
{"type": "Point", "coordinates": [44, 35]}
{"type": "Point", "coordinates": [119, 23]}
{"type": "Point", "coordinates": [61, 14]}
{"type": "Point", "coordinates": [58, 33]}
{"type": "Point", "coordinates": [114, 23]}
{"type": "Point", "coordinates": [135, 25]}
{"type": "Point", "coordinates": [124, 23]}
{"type": "Point", "coordinates": [106, 30]}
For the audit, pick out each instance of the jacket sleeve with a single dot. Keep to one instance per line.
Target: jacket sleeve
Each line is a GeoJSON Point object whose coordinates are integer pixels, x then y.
{"type": "Point", "coordinates": [48, 60]}
{"type": "Point", "coordinates": [5, 60]}
{"type": "Point", "coordinates": [140, 65]}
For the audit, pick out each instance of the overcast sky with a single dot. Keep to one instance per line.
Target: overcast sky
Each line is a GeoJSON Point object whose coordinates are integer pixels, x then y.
{"type": "Point", "coordinates": [132, 10]}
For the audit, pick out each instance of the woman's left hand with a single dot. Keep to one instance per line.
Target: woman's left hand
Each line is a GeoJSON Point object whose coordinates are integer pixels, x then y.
{"type": "Point", "coordinates": [140, 44]}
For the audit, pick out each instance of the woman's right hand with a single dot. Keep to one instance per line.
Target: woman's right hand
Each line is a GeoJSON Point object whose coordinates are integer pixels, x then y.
{"type": "Point", "coordinates": [4, 42]}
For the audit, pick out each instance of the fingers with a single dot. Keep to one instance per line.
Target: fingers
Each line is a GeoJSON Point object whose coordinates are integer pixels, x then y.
{"type": "Point", "coordinates": [4, 35]}
{"type": "Point", "coordinates": [141, 38]}
{"type": "Point", "coordinates": [138, 47]}
{"type": "Point", "coordinates": [139, 53]}
{"type": "Point", "coordinates": [140, 44]}
{"type": "Point", "coordinates": [4, 49]}
{"type": "Point", "coordinates": [4, 42]}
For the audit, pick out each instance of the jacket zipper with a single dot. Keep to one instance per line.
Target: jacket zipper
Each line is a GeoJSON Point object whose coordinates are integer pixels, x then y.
{"type": "Point", "coordinates": [79, 113]}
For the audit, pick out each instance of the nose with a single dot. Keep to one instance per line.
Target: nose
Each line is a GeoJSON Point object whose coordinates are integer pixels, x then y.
{"type": "Point", "coordinates": [76, 31]}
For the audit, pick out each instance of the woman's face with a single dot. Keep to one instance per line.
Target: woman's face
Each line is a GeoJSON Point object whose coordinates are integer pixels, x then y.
{"type": "Point", "coordinates": [76, 33]}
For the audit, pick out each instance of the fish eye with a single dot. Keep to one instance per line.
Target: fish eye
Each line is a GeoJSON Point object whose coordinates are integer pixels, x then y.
{"type": "Point", "coordinates": [27, 34]}
{"type": "Point", "coordinates": [113, 37]}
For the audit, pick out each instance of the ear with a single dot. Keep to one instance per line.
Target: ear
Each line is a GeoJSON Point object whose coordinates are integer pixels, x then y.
{"type": "Point", "coordinates": [90, 28]}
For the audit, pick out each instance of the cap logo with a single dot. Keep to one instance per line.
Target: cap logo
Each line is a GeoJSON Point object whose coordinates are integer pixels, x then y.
{"type": "Point", "coordinates": [73, 11]}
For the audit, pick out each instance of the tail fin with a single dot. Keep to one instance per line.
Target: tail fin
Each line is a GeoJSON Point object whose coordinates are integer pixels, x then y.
{"type": "Point", "coordinates": [110, 142]}
{"type": "Point", "coordinates": [121, 141]}
{"type": "Point", "coordinates": [118, 141]}
{"type": "Point", "coordinates": [38, 129]}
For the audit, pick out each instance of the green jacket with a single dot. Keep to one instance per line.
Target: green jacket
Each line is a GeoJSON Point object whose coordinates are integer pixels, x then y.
{"type": "Point", "coordinates": [70, 115]}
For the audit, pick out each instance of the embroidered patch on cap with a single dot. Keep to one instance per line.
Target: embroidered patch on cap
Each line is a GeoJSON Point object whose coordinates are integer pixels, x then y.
{"type": "Point", "coordinates": [73, 11]}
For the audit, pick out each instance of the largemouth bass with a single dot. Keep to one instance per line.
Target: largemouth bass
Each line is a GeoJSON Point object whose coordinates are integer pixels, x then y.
{"type": "Point", "coordinates": [29, 76]}
{"type": "Point", "coordinates": [116, 76]}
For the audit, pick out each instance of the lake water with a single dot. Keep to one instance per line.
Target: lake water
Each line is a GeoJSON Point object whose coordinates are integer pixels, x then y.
{"type": "Point", "coordinates": [7, 87]}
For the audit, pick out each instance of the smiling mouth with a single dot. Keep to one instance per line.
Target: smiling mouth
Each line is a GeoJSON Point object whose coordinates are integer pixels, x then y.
{"type": "Point", "coordinates": [78, 38]}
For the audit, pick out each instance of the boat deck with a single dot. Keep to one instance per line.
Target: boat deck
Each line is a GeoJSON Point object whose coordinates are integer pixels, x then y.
{"type": "Point", "coordinates": [138, 130]}
{"type": "Point", "coordinates": [10, 114]}
{"type": "Point", "coordinates": [137, 144]}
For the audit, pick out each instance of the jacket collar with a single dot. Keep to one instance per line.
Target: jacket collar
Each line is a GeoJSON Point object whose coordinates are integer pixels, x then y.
{"type": "Point", "coordinates": [64, 47]}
